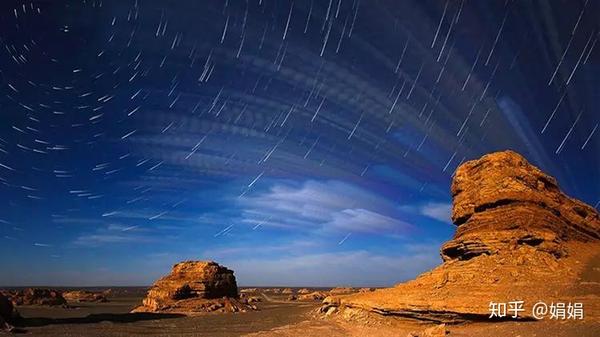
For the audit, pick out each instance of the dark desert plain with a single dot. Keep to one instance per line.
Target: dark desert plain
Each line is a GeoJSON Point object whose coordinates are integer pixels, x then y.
{"type": "Point", "coordinates": [276, 317]}
{"type": "Point", "coordinates": [114, 318]}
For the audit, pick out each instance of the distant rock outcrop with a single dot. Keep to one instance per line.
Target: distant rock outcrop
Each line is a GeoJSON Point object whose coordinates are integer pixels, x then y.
{"type": "Point", "coordinates": [195, 287]}
{"type": "Point", "coordinates": [84, 296]}
{"type": "Point", "coordinates": [248, 299]}
{"type": "Point", "coordinates": [518, 238]}
{"type": "Point", "coordinates": [314, 296]}
{"type": "Point", "coordinates": [342, 290]}
{"type": "Point", "coordinates": [36, 296]}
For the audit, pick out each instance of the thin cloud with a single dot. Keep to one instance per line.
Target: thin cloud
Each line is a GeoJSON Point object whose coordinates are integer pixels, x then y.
{"type": "Point", "coordinates": [438, 211]}
{"type": "Point", "coordinates": [113, 234]}
{"type": "Point", "coordinates": [323, 206]}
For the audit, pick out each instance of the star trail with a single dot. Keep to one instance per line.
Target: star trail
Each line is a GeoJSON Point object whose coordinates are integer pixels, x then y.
{"type": "Point", "coordinates": [272, 135]}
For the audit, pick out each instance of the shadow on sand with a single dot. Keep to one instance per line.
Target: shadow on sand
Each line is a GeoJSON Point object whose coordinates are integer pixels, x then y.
{"type": "Point", "coordinates": [94, 318]}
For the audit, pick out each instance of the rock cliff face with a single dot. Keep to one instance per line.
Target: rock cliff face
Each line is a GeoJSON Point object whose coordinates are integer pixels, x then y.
{"type": "Point", "coordinates": [518, 238]}
{"type": "Point", "coordinates": [502, 201]}
{"type": "Point", "coordinates": [194, 286]}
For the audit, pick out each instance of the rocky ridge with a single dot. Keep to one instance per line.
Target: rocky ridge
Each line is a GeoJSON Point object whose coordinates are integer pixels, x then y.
{"type": "Point", "coordinates": [85, 296]}
{"type": "Point", "coordinates": [36, 296]}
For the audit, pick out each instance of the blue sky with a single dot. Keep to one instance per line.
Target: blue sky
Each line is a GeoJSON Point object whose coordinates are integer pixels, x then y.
{"type": "Point", "coordinates": [298, 143]}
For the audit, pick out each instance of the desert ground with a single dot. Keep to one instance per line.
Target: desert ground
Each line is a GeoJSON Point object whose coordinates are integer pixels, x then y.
{"type": "Point", "coordinates": [113, 319]}
{"type": "Point", "coordinates": [276, 317]}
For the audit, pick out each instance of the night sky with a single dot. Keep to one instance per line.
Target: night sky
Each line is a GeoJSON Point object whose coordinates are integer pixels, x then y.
{"type": "Point", "coordinates": [296, 142]}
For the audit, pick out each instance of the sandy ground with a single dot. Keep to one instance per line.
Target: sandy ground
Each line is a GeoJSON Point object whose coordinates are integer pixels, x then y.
{"type": "Point", "coordinates": [321, 328]}
{"type": "Point", "coordinates": [276, 318]}
{"type": "Point", "coordinates": [113, 319]}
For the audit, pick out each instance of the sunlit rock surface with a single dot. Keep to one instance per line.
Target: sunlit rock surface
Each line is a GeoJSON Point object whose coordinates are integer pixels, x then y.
{"type": "Point", "coordinates": [194, 287]}
{"type": "Point", "coordinates": [518, 238]}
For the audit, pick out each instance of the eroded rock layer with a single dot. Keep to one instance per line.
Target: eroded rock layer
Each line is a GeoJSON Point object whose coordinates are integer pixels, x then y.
{"type": "Point", "coordinates": [501, 200]}
{"type": "Point", "coordinates": [195, 286]}
{"type": "Point", "coordinates": [518, 238]}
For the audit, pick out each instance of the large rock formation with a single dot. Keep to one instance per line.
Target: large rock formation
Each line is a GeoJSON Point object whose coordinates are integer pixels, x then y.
{"type": "Point", "coordinates": [501, 201]}
{"type": "Point", "coordinates": [192, 287]}
{"type": "Point", "coordinates": [518, 238]}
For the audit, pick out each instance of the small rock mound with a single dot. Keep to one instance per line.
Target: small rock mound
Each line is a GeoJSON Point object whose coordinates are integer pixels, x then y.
{"type": "Point", "coordinates": [518, 238]}
{"type": "Point", "coordinates": [248, 299]}
{"type": "Point", "coordinates": [314, 296]}
{"type": "Point", "coordinates": [84, 296]}
{"type": "Point", "coordinates": [37, 296]}
{"type": "Point", "coordinates": [195, 287]}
